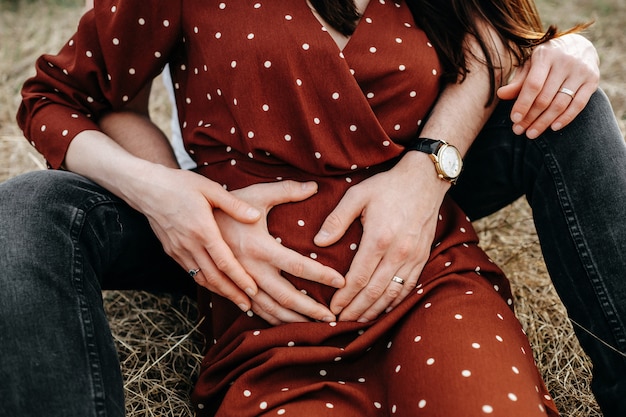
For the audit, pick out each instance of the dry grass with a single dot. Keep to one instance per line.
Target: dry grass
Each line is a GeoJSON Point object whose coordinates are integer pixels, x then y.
{"type": "Point", "coordinates": [159, 346]}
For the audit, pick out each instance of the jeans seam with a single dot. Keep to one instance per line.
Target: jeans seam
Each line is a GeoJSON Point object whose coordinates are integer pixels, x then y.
{"type": "Point", "coordinates": [86, 317]}
{"type": "Point", "coordinates": [582, 250]}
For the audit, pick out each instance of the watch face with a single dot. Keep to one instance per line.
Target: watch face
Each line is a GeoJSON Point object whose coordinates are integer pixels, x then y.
{"type": "Point", "coordinates": [450, 161]}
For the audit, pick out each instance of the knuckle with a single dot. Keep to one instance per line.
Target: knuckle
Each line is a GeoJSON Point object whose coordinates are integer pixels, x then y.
{"type": "Point", "coordinates": [543, 101]}
{"type": "Point", "coordinates": [393, 291]}
{"type": "Point", "coordinates": [373, 292]}
{"type": "Point", "coordinates": [384, 239]}
{"type": "Point", "coordinates": [360, 281]}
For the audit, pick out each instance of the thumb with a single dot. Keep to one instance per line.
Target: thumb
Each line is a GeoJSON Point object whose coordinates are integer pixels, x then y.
{"type": "Point", "coordinates": [267, 195]}
{"type": "Point", "coordinates": [514, 86]}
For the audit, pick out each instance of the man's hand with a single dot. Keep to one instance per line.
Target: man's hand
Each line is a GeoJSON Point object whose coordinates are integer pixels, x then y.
{"type": "Point", "coordinates": [399, 216]}
{"type": "Point", "coordinates": [569, 62]}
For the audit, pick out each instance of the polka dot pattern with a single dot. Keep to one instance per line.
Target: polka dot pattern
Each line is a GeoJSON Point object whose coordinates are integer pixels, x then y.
{"type": "Point", "coordinates": [248, 115]}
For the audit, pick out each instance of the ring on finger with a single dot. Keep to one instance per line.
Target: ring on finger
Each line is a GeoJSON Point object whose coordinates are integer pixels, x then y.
{"type": "Point", "coordinates": [397, 279]}
{"type": "Point", "coordinates": [193, 272]}
{"type": "Point", "coordinates": [567, 91]}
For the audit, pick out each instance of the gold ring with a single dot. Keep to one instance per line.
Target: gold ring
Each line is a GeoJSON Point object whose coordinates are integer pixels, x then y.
{"type": "Point", "coordinates": [567, 91]}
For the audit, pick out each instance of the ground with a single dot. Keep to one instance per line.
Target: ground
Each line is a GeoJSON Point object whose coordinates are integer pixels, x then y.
{"type": "Point", "coordinates": [158, 345]}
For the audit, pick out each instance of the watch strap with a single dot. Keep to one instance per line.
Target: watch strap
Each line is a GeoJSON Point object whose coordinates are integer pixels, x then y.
{"type": "Point", "coordinates": [426, 145]}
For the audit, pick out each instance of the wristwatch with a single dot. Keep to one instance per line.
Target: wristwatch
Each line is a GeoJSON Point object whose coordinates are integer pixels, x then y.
{"type": "Point", "coordinates": [447, 158]}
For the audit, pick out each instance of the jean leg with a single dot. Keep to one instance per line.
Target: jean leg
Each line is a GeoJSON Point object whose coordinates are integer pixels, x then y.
{"type": "Point", "coordinates": [575, 182]}
{"type": "Point", "coordinates": [60, 237]}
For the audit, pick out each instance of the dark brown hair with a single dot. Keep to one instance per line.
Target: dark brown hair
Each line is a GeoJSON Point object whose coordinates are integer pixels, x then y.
{"type": "Point", "coordinates": [448, 23]}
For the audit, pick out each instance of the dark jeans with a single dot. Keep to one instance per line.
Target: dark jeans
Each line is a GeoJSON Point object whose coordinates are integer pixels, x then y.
{"type": "Point", "coordinates": [64, 239]}
{"type": "Point", "coordinates": [575, 183]}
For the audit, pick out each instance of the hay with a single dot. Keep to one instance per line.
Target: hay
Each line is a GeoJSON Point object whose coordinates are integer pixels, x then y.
{"type": "Point", "coordinates": [155, 334]}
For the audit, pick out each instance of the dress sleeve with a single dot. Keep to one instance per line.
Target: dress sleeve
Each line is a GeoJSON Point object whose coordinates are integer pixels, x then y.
{"type": "Point", "coordinates": [118, 47]}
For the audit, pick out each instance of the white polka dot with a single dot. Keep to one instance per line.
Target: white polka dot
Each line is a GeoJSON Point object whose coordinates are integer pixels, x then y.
{"type": "Point", "coordinates": [287, 138]}
{"type": "Point", "coordinates": [417, 339]}
{"type": "Point", "coordinates": [372, 49]}
{"type": "Point", "coordinates": [250, 134]}
{"type": "Point", "coordinates": [512, 397]}
{"type": "Point", "coordinates": [487, 409]}
{"type": "Point", "coordinates": [157, 54]}
{"type": "Point", "coordinates": [427, 305]}
{"type": "Point", "coordinates": [222, 6]}
{"type": "Point", "coordinates": [353, 128]}
{"type": "Point", "coordinates": [113, 9]}
{"type": "Point", "coordinates": [247, 393]}
{"type": "Point", "coordinates": [458, 316]}
{"type": "Point", "coordinates": [300, 223]}
{"type": "Point", "coordinates": [398, 368]}
{"type": "Point", "coordinates": [250, 36]}
{"type": "Point", "coordinates": [318, 155]}
{"type": "Point", "coordinates": [131, 71]}
{"type": "Point", "coordinates": [386, 143]}
{"type": "Point", "coordinates": [263, 405]}
{"type": "Point", "coordinates": [89, 54]}
{"type": "Point", "coordinates": [298, 81]}
{"type": "Point", "coordinates": [141, 21]}
{"type": "Point", "coordinates": [313, 255]}
{"type": "Point", "coordinates": [316, 120]}
{"type": "Point", "coordinates": [323, 372]}
{"type": "Point", "coordinates": [476, 345]}
{"type": "Point", "coordinates": [256, 332]}
{"type": "Point", "coordinates": [394, 408]}
{"type": "Point", "coordinates": [250, 313]}
{"type": "Point", "coordinates": [353, 246]}
{"type": "Point", "coordinates": [265, 107]}
{"type": "Point", "coordinates": [200, 406]}
{"type": "Point", "coordinates": [65, 132]}
{"type": "Point", "coordinates": [402, 67]}
{"type": "Point", "coordinates": [499, 338]}
{"type": "Point", "coordinates": [330, 405]}
{"type": "Point", "coordinates": [466, 373]}
{"type": "Point", "coordinates": [378, 405]}
{"type": "Point", "coordinates": [281, 412]}
{"type": "Point", "coordinates": [335, 96]}
{"type": "Point", "coordinates": [267, 64]}
{"type": "Point", "coordinates": [306, 46]}
{"type": "Point", "coordinates": [515, 370]}
{"type": "Point", "coordinates": [288, 17]}
{"type": "Point", "coordinates": [166, 23]}
{"type": "Point", "coordinates": [233, 64]}
{"type": "Point", "coordinates": [421, 404]}
{"type": "Point", "coordinates": [218, 35]}
{"type": "Point", "coordinates": [43, 128]}
{"type": "Point", "coordinates": [361, 380]}
{"type": "Point", "coordinates": [430, 361]}
{"type": "Point", "coordinates": [116, 41]}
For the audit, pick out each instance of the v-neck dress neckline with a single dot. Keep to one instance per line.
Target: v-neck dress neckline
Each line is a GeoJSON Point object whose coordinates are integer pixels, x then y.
{"type": "Point", "coordinates": [324, 26]}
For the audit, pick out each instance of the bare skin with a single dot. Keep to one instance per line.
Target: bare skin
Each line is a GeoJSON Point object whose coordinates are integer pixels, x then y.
{"type": "Point", "coordinates": [399, 247]}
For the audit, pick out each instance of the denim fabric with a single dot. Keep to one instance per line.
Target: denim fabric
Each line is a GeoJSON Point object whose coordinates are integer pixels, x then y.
{"type": "Point", "coordinates": [60, 233]}
{"type": "Point", "coordinates": [63, 239]}
{"type": "Point", "coordinates": [575, 183]}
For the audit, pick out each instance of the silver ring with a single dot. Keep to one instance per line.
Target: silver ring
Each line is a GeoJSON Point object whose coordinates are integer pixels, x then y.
{"type": "Point", "coordinates": [397, 279]}
{"type": "Point", "coordinates": [193, 272]}
{"type": "Point", "coordinates": [567, 91]}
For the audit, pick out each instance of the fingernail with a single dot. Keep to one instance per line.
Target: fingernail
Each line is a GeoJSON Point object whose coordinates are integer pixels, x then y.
{"type": "Point", "coordinates": [338, 282]}
{"type": "Point", "coordinates": [388, 310]}
{"type": "Point", "coordinates": [250, 292]}
{"type": "Point", "coordinates": [306, 186]}
{"type": "Point", "coordinates": [322, 235]}
{"type": "Point", "coordinates": [516, 117]}
{"type": "Point", "coordinates": [557, 126]}
{"type": "Point", "coordinates": [243, 307]}
{"type": "Point", "coordinates": [328, 319]}
{"type": "Point", "coordinates": [363, 320]}
{"type": "Point", "coordinates": [518, 130]}
{"type": "Point", "coordinates": [532, 134]}
{"type": "Point", "coordinates": [253, 213]}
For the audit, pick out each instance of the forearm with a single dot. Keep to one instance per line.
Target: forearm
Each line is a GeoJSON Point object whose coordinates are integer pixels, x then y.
{"type": "Point", "coordinates": [140, 136]}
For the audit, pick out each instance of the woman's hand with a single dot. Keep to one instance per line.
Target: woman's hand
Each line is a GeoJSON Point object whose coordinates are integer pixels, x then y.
{"type": "Point", "coordinates": [277, 301]}
{"type": "Point", "coordinates": [399, 210]}
{"type": "Point", "coordinates": [569, 62]}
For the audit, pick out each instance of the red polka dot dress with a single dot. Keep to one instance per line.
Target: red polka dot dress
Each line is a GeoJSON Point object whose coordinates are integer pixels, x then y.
{"type": "Point", "coordinates": [265, 94]}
